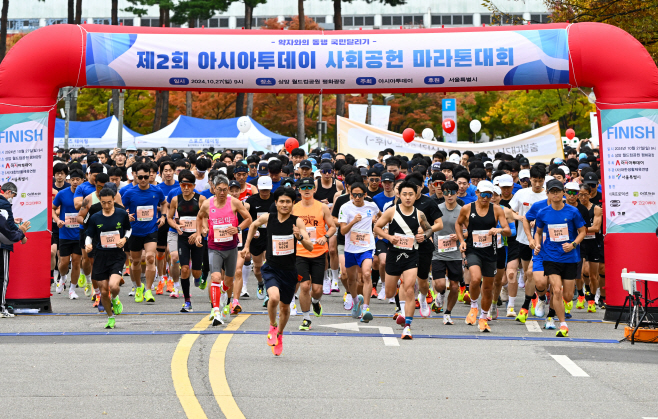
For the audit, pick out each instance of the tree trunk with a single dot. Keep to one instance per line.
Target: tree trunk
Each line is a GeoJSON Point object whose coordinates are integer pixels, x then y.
{"type": "Point", "coordinates": [78, 12]}
{"type": "Point", "coordinates": [338, 25]}
{"type": "Point", "coordinates": [250, 104]}
{"type": "Point", "coordinates": [115, 12]}
{"type": "Point", "coordinates": [71, 12]}
{"type": "Point", "coordinates": [157, 117]}
{"type": "Point", "coordinates": [164, 119]}
{"type": "Point", "coordinates": [188, 103]}
{"type": "Point", "coordinates": [302, 18]}
{"type": "Point", "coordinates": [300, 97]}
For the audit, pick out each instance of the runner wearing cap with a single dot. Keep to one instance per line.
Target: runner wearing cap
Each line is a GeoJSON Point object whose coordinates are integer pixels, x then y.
{"type": "Point", "coordinates": [374, 182]}
{"type": "Point", "coordinates": [252, 164]}
{"type": "Point", "coordinates": [306, 169]}
{"type": "Point", "coordinates": [243, 266]}
{"type": "Point", "coordinates": [481, 218]}
{"type": "Point", "coordinates": [283, 232]}
{"type": "Point", "coordinates": [596, 197]}
{"type": "Point", "coordinates": [511, 287]}
{"type": "Point", "coordinates": [240, 173]}
{"type": "Point", "coordinates": [325, 190]}
{"type": "Point", "coordinates": [502, 250]}
{"type": "Point", "coordinates": [169, 183]}
{"type": "Point", "coordinates": [258, 205]}
{"type": "Point", "coordinates": [591, 249]}
{"type": "Point", "coordinates": [311, 264]}
{"type": "Point", "coordinates": [381, 245]}
{"type": "Point", "coordinates": [217, 218]}
{"type": "Point", "coordinates": [566, 230]}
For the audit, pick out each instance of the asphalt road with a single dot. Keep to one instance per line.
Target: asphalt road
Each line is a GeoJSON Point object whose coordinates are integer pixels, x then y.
{"type": "Point", "coordinates": [67, 365]}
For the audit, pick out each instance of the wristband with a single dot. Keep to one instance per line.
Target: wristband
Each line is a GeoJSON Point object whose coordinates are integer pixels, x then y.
{"type": "Point", "coordinates": [574, 244]}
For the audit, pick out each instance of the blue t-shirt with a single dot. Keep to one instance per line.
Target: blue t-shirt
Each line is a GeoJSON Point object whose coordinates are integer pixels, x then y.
{"type": "Point", "coordinates": [125, 189]}
{"type": "Point", "coordinates": [275, 186]}
{"type": "Point", "coordinates": [207, 193]}
{"type": "Point", "coordinates": [83, 190]}
{"type": "Point", "coordinates": [64, 200]}
{"type": "Point", "coordinates": [381, 199]}
{"type": "Point", "coordinates": [468, 198]}
{"type": "Point", "coordinates": [168, 188]}
{"type": "Point", "coordinates": [516, 187]}
{"type": "Point", "coordinates": [151, 198]}
{"type": "Point", "coordinates": [551, 220]}
{"type": "Point", "coordinates": [250, 178]}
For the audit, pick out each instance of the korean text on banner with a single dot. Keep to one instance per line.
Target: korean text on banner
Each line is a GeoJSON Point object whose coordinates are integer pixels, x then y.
{"type": "Point", "coordinates": [358, 113]}
{"type": "Point", "coordinates": [282, 60]}
{"type": "Point", "coordinates": [24, 159]}
{"type": "Point", "coordinates": [630, 163]}
{"type": "Point", "coordinates": [360, 140]}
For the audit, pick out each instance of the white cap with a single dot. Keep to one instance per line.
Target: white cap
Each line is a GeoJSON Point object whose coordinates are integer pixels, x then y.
{"type": "Point", "coordinates": [386, 156]}
{"type": "Point", "coordinates": [265, 182]}
{"type": "Point", "coordinates": [272, 159]}
{"type": "Point", "coordinates": [525, 173]}
{"type": "Point", "coordinates": [485, 186]}
{"type": "Point", "coordinates": [454, 158]}
{"type": "Point", "coordinates": [496, 163]}
{"type": "Point", "coordinates": [296, 166]}
{"type": "Point", "coordinates": [565, 170]}
{"type": "Point", "coordinates": [573, 186]}
{"type": "Point", "coordinates": [362, 163]}
{"type": "Point", "coordinates": [548, 177]}
{"type": "Point", "coordinates": [497, 190]}
{"type": "Point", "coordinates": [505, 180]}
{"type": "Point", "coordinates": [488, 163]}
{"type": "Point", "coordinates": [317, 174]}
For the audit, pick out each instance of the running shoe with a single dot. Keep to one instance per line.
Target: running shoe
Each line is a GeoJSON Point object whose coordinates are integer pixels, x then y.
{"type": "Point", "coordinates": [101, 309]}
{"type": "Point", "coordinates": [271, 335]}
{"type": "Point", "coordinates": [356, 307]}
{"type": "Point", "coordinates": [467, 298]}
{"type": "Point", "coordinates": [447, 320]}
{"type": "Point", "coordinates": [72, 294]}
{"type": "Point", "coordinates": [88, 289]}
{"type": "Point", "coordinates": [236, 308]}
{"type": "Point", "coordinates": [110, 323]}
{"type": "Point", "coordinates": [306, 325]}
{"type": "Point", "coordinates": [539, 308]}
{"type": "Point", "coordinates": [494, 312]}
{"type": "Point", "coordinates": [244, 294]}
{"type": "Point", "coordinates": [366, 315]}
{"type": "Point", "coordinates": [382, 293]}
{"type": "Point", "coordinates": [203, 282]}
{"type": "Point", "coordinates": [504, 295]}
{"type": "Point", "coordinates": [97, 300]}
{"type": "Point", "coordinates": [278, 349]}
{"type": "Point", "coordinates": [60, 286]}
{"type": "Point", "coordinates": [345, 296]}
{"type": "Point", "coordinates": [523, 316]}
{"type": "Point", "coordinates": [334, 286]}
{"type": "Point", "coordinates": [225, 314]}
{"type": "Point", "coordinates": [484, 326]}
{"type": "Point", "coordinates": [187, 307]}
{"type": "Point", "coordinates": [170, 285]}
{"type": "Point", "coordinates": [601, 303]}
{"type": "Point", "coordinates": [160, 289]}
{"type": "Point", "coordinates": [435, 307]}
{"type": "Point", "coordinates": [417, 304]}
{"type": "Point", "coordinates": [6, 314]}
{"type": "Point", "coordinates": [261, 292]}
{"type": "Point", "coordinates": [317, 308]}
{"type": "Point", "coordinates": [460, 297]}
{"type": "Point", "coordinates": [591, 306]}
{"type": "Point", "coordinates": [563, 332]}
{"type": "Point", "coordinates": [117, 306]}
{"type": "Point", "coordinates": [511, 312]}
{"type": "Point", "coordinates": [174, 294]}
{"type": "Point", "coordinates": [139, 294]}
{"type": "Point", "coordinates": [424, 308]}
{"type": "Point", "coordinates": [216, 318]}
{"type": "Point", "coordinates": [471, 318]}
{"type": "Point", "coordinates": [567, 315]}
{"type": "Point", "coordinates": [293, 308]}
{"type": "Point", "coordinates": [533, 304]}
{"type": "Point", "coordinates": [568, 305]}
{"type": "Point", "coordinates": [580, 304]}
{"type": "Point", "coordinates": [223, 298]}
{"type": "Point", "coordinates": [406, 333]}
{"type": "Point", "coordinates": [326, 284]}
{"type": "Point", "coordinates": [265, 301]}
{"type": "Point", "coordinates": [373, 293]}
{"type": "Point", "coordinates": [550, 324]}
{"type": "Point", "coordinates": [399, 318]}
{"type": "Point", "coordinates": [148, 297]}
{"type": "Point", "coordinates": [82, 280]}
{"type": "Point", "coordinates": [197, 282]}
{"type": "Point", "coordinates": [348, 304]}
{"type": "Point", "coordinates": [132, 292]}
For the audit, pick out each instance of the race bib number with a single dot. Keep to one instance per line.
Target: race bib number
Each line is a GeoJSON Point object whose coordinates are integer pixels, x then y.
{"type": "Point", "coordinates": [499, 241]}
{"type": "Point", "coordinates": [445, 244]}
{"type": "Point", "coordinates": [283, 245]}
{"type": "Point", "coordinates": [590, 236]}
{"type": "Point", "coordinates": [360, 238]}
{"type": "Point", "coordinates": [481, 238]}
{"type": "Point", "coordinates": [258, 216]}
{"type": "Point", "coordinates": [70, 220]}
{"type": "Point", "coordinates": [558, 232]}
{"type": "Point", "coordinates": [109, 239]}
{"type": "Point", "coordinates": [188, 224]}
{"type": "Point", "coordinates": [405, 242]}
{"type": "Point", "coordinates": [221, 233]}
{"type": "Point", "coordinates": [312, 234]}
{"type": "Point", "coordinates": [144, 213]}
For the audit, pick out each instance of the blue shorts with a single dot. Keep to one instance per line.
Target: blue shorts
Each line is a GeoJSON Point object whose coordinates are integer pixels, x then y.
{"type": "Point", "coordinates": [352, 259]}
{"type": "Point", "coordinates": [537, 263]}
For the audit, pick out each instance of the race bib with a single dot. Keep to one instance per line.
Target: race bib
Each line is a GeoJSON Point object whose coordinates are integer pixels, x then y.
{"type": "Point", "coordinates": [258, 216]}
{"type": "Point", "coordinates": [360, 238]}
{"type": "Point", "coordinates": [405, 242]}
{"type": "Point", "coordinates": [109, 239]}
{"type": "Point", "coordinates": [558, 232]}
{"type": "Point", "coordinates": [144, 213]}
{"type": "Point", "coordinates": [445, 244]}
{"type": "Point", "coordinates": [220, 233]}
{"type": "Point", "coordinates": [239, 240]}
{"type": "Point", "coordinates": [465, 232]}
{"type": "Point", "coordinates": [481, 238]}
{"type": "Point", "coordinates": [590, 236]}
{"type": "Point", "coordinates": [188, 224]}
{"type": "Point", "coordinates": [283, 245]}
{"type": "Point", "coordinates": [70, 220]}
{"type": "Point", "coordinates": [312, 234]}
{"type": "Point", "coordinates": [499, 240]}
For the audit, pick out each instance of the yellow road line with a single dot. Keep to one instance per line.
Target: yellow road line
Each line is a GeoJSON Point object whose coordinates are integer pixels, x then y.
{"type": "Point", "coordinates": [217, 371]}
{"type": "Point", "coordinates": [180, 376]}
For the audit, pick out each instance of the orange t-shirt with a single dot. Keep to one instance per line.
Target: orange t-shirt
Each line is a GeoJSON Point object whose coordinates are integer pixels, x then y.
{"type": "Point", "coordinates": [315, 227]}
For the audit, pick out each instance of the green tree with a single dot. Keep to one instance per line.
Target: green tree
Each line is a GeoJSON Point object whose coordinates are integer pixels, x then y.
{"type": "Point", "coordinates": [138, 107]}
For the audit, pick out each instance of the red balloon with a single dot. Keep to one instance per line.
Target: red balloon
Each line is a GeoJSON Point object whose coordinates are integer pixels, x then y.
{"type": "Point", "coordinates": [408, 135]}
{"type": "Point", "coordinates": [449, 125]}
{"type": "Point", "coordinates": [291, 144]}
{"type": "Point", "coordinates": [571, 133]}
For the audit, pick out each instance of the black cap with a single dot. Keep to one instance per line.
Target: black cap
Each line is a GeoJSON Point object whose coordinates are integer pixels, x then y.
{"type": "Point", "coordinates": [96, 168]}
{"type": "Point", "coordinates": [326, 166]}
{"type": "Point", "coordinates": [373, 172]}
{"type": "Point", "coordinates": [234, 183]}
{"type": "Point", "coordinates": [388, 177]}
{"type": "Point", "coordinates": [590, 178]}
{"type": "Point", "coordinates": [287, 182]}
{"type": "Point", "coordinates": [239, 169]}
{"type": "Point", "coordinates": [553, 184]}
{"type": "Point", "coordinates": [306, 181]}
{"type": "Point", "coordinates": [174, 157]}
{"type": "Point", "coordinates": [306, 164]}
{"type": "Point", "coordinates": [524, 161]}
{"type": "Point", "coordinates": [262, 168]}
{"type": "Point", "coordinates": [364, 171]}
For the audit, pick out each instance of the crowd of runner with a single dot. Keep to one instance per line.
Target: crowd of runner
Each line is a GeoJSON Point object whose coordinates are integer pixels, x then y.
{"type": "Point", "coordinates": [424, 233]}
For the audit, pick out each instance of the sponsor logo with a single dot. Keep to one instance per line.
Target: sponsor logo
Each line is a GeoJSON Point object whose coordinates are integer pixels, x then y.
{"type": "Point", "coordinates": [27, 203]}
{"type": "Point", "coordinates": [615, 203]}
{"type": "Point", "coordinates": [612, 213]}
{"type": "Point", "coordinates": [636, 194]}
{"type": "Point", "coordinates": [30, 194]}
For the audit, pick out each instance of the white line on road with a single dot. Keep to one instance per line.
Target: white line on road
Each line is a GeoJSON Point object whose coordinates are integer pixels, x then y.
{"type": "Point", "coordinates": [570, 366]}
{"type": "Point", "coordinates": [388, 341]}
{"type": "Point", "coordinates": [533, 326]}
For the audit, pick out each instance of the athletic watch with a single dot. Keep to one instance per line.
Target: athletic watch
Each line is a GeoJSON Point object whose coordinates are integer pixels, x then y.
{"type": "Point", "coordinates": [239, 229]}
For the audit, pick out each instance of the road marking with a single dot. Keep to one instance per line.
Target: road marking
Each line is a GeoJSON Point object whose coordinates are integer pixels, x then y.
{"type": "Point", "coordinates": [217, 371]}
{"type": "Point", "coordinates": [180, 376]}
{"type": "Point", "coordinates": [354, 327]}
{"type": "Point", "coordinates": [570, 366]}
{"type": "Point", "coordinates": [533, 326]}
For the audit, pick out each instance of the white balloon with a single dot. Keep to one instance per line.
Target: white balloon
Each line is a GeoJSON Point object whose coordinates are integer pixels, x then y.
{"type": "Point", "coordinates": [244, 124]}
{"type": "Point", "coordinates": [428, 134]}
{"type": "Point", "coordinates": [475, 126]}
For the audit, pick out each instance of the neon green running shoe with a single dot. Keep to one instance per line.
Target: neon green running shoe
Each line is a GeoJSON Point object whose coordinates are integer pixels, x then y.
{"type": "Point", "coordinates": [523, 316]}
{"type": "Point", "coordinates": [88, 289]}
{"type": "Point", "coordinates": [82, 281]}
{"type": "Point", "coordinates": [110, 323]}
{"type": "Point", "coordinates": [148, 297]}
{"type": "Point", "coordinates": [203, 283]}
{"type": "Point", "coordinates": [139, 294]}
{"type": "Point", "coordinates": [117, 306]}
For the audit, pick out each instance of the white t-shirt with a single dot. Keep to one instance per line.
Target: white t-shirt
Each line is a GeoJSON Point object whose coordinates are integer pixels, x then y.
{"type": "Point", "coordinates": [521, 203]}
{"type": "Point", "coordinates": [360, 238]}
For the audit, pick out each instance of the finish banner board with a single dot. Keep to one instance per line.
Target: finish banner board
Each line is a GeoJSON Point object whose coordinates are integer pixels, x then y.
{"type": "Point", "coordinates": [24, 161]}
{"type": "Point", "coordinates": [361, 140]}
{"type": "Point", "coordinates": [630, 169]}
{"type": "Point", "coordinates": [280, 60]}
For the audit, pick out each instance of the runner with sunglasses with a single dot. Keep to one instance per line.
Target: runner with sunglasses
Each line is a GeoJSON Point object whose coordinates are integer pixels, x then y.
{"type": "Point", "coordinates": [240, 173]}
{"type": "Point", "coordinates": [260, 204]}
{"type": "Point", "coordinates": [502, 251]}
{"type": "Point", "coordinates": [481, 219]}
{"type": "Point", "coordinates": [374, 183]}
{"type": "Point", "coordinates": [239, 288]}
{"type": "Point", "coordinates": [381, 244]}
{"type": "Point", "coordinates": [252, 165]}
{"type": "Point", "coordinates": [326, 189]}
{"type": "Point", "coordinates": [591, 248]}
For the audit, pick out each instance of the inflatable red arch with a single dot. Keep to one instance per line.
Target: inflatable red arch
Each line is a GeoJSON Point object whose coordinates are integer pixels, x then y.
{"type": "Point", "coordinates": [606, 58]}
